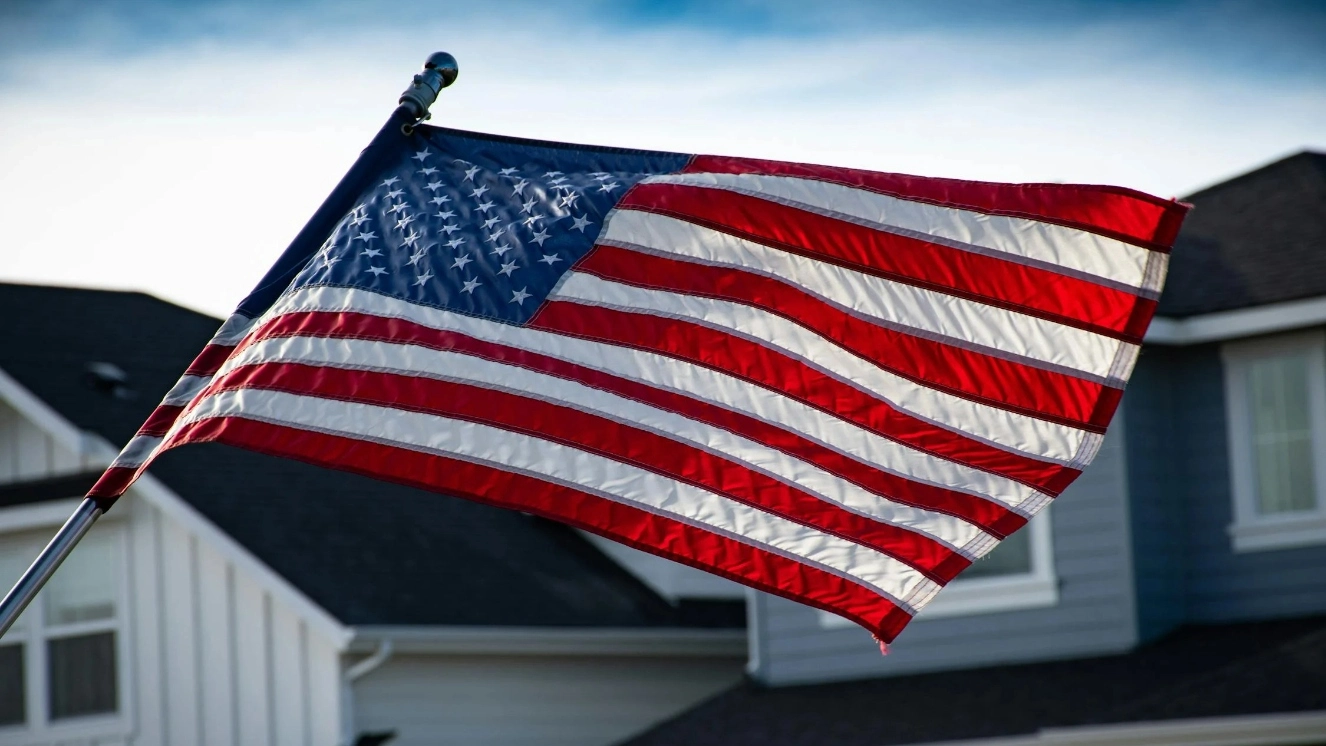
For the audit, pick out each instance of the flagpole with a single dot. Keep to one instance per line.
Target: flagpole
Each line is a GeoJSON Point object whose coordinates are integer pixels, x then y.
{"type": "Point", "coordinates": [439, 71]}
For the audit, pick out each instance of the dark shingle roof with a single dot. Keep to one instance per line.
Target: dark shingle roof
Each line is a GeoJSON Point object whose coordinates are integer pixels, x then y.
{"type": "Point", "coordinates": [1196, 672]}
{"type": "Point", "coordinates": [367, 551]}
{"type": "Point", "coordinates": [1258, 238]}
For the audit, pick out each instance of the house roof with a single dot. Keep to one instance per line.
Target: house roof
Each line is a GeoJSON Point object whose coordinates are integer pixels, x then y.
{"type": "Point", "coordinates": [368, 552]}
{"type": "Point", "coordinates": [1195, 672]}
{"type": "Point", "coordinates": [1255, 239]}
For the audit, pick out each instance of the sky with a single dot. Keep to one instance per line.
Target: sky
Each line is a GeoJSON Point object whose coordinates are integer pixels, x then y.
{"type": "Point", "coordinates": [176, 148]}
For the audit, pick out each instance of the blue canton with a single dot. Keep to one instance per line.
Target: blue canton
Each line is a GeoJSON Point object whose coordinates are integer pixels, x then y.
{"type": "Point", "coordinates": [479, 225]}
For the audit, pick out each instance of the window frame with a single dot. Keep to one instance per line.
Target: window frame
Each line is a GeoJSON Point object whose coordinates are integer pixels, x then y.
{"type": "Point", "coordinates": [35, 634]}
{"type": "Point", "coordinates": [1250, 530]}
{"type": "Point", "coordinates": [1036, 589]}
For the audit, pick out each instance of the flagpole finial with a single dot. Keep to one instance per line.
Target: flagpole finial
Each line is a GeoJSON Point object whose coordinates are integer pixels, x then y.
{"type": "Point", "coordinates": [440, 71]}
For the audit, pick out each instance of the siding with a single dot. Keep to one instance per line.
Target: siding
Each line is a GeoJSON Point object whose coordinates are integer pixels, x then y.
{"type": "Point", "coordinates": [1219, 585]}
{"type": "Point", "coordinates": [487, 700]}
{"type": "Point", "coordinates": [28, 453]}
{"type": "Point", "coordinates": [1094, 614]}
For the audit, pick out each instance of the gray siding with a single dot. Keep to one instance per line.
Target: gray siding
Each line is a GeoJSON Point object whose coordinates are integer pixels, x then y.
{"type": "Point", "coordinates": [1094, 615]}
{"type": "Point", "coordinates": [1182, 505]}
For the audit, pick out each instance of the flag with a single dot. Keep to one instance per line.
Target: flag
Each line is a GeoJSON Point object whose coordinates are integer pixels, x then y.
{"type": "Point", "coordinates": [835, 385]}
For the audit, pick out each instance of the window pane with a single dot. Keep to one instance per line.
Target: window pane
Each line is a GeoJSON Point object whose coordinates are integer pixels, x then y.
{"type": "Point", "coordinates": [82, 675]}
{"type": "Point", "coordinates": [1011, 557]}
{"type": "Point", "coordinates": [86, 584]}
{"type": "Point", "coordinates": [13, 703]}
{"type": "Point", "coordinates": [1281, 434]}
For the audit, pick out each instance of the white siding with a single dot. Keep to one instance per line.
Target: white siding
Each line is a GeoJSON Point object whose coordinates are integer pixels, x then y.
{"type": "Point", "coordinates": [486, 700]}
{"type": "Point", "coordinates": [27, 453]}
{"type": "Point", "coordinates": [213, 659]}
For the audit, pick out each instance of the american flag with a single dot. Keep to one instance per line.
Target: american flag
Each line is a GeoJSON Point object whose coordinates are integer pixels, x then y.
{"type": "Point", "coordinates": [835, 385]}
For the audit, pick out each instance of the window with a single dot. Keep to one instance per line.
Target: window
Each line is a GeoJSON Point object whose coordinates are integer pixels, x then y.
{"type": "Point", "coordinates": [1017, 574]}
{"type": "Point", "coordinates": [1275, 390]}
{"type": "Point", "coordinates": [60, 665]}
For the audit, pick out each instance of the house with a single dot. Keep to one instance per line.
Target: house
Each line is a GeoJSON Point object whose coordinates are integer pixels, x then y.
{"type": "Point", "coordinates": [234, 598]}
{"type": "Point", "coordinates": [1176, 593]}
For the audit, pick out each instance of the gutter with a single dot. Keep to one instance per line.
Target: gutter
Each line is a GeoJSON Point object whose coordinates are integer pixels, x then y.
{"type": "Point", "coordinates": [1243, 322]}
{"type": "Point", "coordinates": [353, 674]}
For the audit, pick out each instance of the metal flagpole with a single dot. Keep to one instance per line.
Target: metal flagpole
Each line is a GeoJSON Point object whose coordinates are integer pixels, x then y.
{"type": "Point", "coordinates": [439, 71]}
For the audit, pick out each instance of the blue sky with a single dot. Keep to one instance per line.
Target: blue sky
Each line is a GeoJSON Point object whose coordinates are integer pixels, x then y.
{"type": "Point", "coordinates": [176, 147]}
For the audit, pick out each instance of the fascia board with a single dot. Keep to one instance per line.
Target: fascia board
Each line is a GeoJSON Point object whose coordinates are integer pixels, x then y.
{"type": "Point", "coordinates": [1244, 322]}
{"type": "Point", "coordinates": [589, 641]}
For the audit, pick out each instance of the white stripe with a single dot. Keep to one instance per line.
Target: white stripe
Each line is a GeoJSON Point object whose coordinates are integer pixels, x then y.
{"type": "Point", "coordinates": [354, 354]}
{"type": "Point", "coordinates": [232, 330]}
{"type": "Point", "coordinates": [587, 471]}
{"type": "Point", "coordinates": [1073, 249]}
{"type": "Point", "coordinates": [907, 308]}
{"type": "Point", "coordinates": [185, 389]}
{"type": "Point", "coordinates": [137, 451]}
{"type": "Point", "coordinates": [993, 425]}
{"type": "Point", "coordinates": [690, 380]}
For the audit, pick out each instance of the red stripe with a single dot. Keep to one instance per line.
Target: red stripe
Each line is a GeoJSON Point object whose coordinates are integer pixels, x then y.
{"type": "Point", "coordinates": [763, 366]}
{"type": "Point", "coordinates": [160, 420]}
{"type": "Point", "coordinates": [112, 483]}
{"type": "Point", "coordinates": [1036, 392]}
{"type": "Point", "coordinates": [209, 360]}
{"type": "Point", "coordinates": [985, 279]}
{"type": "Point", "coordinates": [1125, 214]}
{"type": "Point", "coordinates": [666, 537]}
{"type": "Point", "coordinates": [988, 514]}
{"type": "Point", "coordinates": [606, 437]}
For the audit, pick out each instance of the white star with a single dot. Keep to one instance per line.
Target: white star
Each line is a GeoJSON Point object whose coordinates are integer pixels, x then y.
{"type": "Point", "coordinates": [461, 261]}
{"type": "Point", "coordinates": [371, 252]}
{"type": "Point", "coordinates": [507, 171]}
{"type": "Point", "coordinates": [501, 250]}
{"type": "Point", "coordinates": [389, 182]}
{"type": "Point", "coordinates": [527, 206]}
{"type": "Point", "coordinates": [540, 237]}
{"type": "Point", "coordinates": [519, 297]}
{"type": "Point", "coordinates": [449, 228]}
{"type": "Point", "coordinates": [507, 268]}
{"type": "Point", "coordinates": [553, 173]}
{"type": "Point", "coordinates": [484, 207]}
{"type": "Point", "coordinates": [377, 271]}
{"type": "Point", "coordinates": [427, 171]}
{"type": "Point", "coordinates": [400, 224]}
{"type": "Point", "coordinates": [519, 187]}
{"type": "Point", "coordinates": [444, 215]}
{"type": "Point", "coordinates": [478, 191]}
{"type": "Point", "coordinates": [358, 219]}
{"type": "Point", "coordinates": [490, 222]}
{"type": "Point", "coordinates": [470, 172]}
{"type": "Point", "coordinates": [367, 236]}
{"type": "Point", "coordinates": [411, 238]}
{"type": "Point", "coordinates": [422, 155]}
{"type": "Point", "coordinates": [569, 199]}
{"type": "Point", "coordinates": [601, 175]}
{"type": "Point", "coordinates": [433, 186]}
{"type": "Point", "coordinates": [550, 259]}
{"type": "Point", "coordinates": [393, 194]}
{"type": "Point", "coordinates": [440, 200]}
{"type": "Point", "coordinates": [557, 181]}
{"type": "Point", "coordinates": [453, 243]}
{"type": "Point", "coordinates": [329, 261]}
{"type": "Point", "coordinates": [417, 256]}
{"type": "Point", "coordinates": [580, 224]}
{"type": "Point", "coordinates": [609, 187]}
{"type": "Point", "coordinates": [397, 207]}
{"type": "Point", "coordinates": [425, 277]}
{"type": "Point", "coordinates": [531, 220]}
{"type": "Point", "coordinates": [495, 234]}
{"type": "Point", "coordinates": [469, 287]}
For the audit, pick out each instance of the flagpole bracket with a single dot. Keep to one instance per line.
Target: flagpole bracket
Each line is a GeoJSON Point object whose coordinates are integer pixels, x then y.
{"type": "Point", "coordinates": [440, 71]}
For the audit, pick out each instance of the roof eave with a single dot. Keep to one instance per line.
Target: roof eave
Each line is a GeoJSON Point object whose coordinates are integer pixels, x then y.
{"type": "Point", "coordinates": [1242, 322]}
{"type": "Point", "coordinates": [587, 641]}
